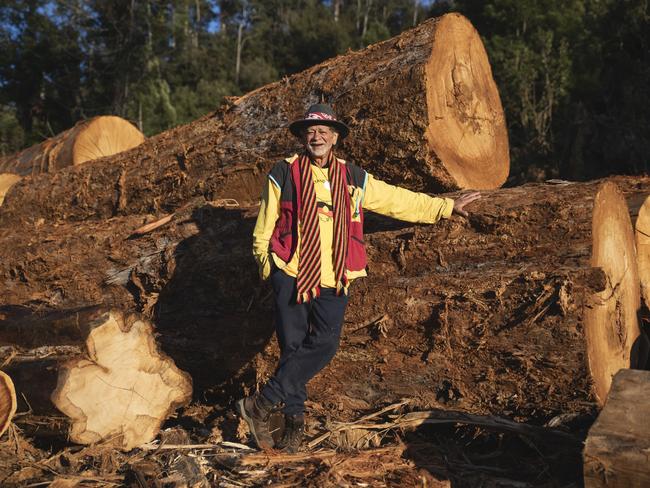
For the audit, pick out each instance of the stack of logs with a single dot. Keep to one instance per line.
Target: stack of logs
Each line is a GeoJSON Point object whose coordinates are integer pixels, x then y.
{"type": "Point", "coordinates": [88, 140]}
{"type": "Point", "coordinates": [525, 309]}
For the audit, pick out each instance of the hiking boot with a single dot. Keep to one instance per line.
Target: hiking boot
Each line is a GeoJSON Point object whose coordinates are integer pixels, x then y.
{"type": "Point", "coordinates": [256, 410]}
{"type": "Point", "coordinates": [294, 429]}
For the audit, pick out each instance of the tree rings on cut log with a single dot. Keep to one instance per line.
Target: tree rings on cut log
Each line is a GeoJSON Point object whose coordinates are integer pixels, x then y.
{"type": "Point", "coordinates": [642, 229]}
{"type": "Point", "coordinates": [88, 140]}
{"type": "Point", "coordinates": [7, 180]}
{"type": "Point", "coordinates": [611, 325]}
{"type": "Point", "coordinates": [467, 128]}
{"type": "Point", "coordinates": [7, 401]}
{"type": "Point", "coordinates": [125, 390]}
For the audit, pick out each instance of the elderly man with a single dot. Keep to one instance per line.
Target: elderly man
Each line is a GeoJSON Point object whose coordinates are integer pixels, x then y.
{"type": "Point", "coordinates": [309, 240]}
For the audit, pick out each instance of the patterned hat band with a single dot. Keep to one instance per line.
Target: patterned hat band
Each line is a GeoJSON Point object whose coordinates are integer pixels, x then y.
{"type": "Point", "coordinates": [319, 114]}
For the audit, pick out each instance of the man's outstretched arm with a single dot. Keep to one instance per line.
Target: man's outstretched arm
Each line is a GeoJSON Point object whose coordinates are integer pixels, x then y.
{"type": "Point", "coordinates": [410, 206]}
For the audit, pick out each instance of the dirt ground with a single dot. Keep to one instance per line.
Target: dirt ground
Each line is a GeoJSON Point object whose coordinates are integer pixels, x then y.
{"type": "Point", "coordinates": [205, 445]}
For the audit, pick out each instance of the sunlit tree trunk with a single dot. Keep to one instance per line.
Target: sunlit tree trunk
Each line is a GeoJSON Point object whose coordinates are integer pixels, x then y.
{"type": "Point", "coordinates": [197, 23]}
{"type": "Point", "coordinates": [172, 27]}
{"type": "Point", "coordinates": [140, 122]}
{"type": "Point", "coordinates": [366, 14]}
{"type": "Point", "coordinates": [336, 5]}
{"type": "Point", "coordinates": [358, 16]}
{"type": "Point", "coordinates": [240, 30]}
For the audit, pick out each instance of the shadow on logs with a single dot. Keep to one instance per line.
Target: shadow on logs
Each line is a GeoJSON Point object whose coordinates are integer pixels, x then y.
{"type": "Point", "coordinates": [33, 345]}
{"type": "Point", "coordinates": [640, 352]}
{"type": "Point", "coordinates": [215, 315]}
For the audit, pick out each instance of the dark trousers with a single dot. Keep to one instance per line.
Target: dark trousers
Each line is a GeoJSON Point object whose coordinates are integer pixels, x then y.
{"type": "Point", "coordinates": [309, 336]}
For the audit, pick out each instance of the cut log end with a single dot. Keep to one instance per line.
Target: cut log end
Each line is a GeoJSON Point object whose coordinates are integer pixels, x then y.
{"type": "Point", "coordinates": [7, 401]}
{"type": "Point", "coordinates": [88, 140]}
{"type": "Point", "coordinates": [611, 325]}
{"type": "Point", "coordinates": [105, 136]}
{"type": "Point", "coordinates": [642, 230]}
{"type": "Point", "coordinates": [7, 180]}
{"type": "Point", "coordinates": [467, 127]}
{"type": "Point", "coordinates": [125, 390]}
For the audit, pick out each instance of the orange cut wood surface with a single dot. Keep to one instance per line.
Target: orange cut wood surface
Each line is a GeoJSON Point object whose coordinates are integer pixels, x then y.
{"type": "Point", "coordinates": [7, 401]}
{"type": "Point", "coordinates": [611, 324]}
{"type": "Point", "coordinates": [88, 140]}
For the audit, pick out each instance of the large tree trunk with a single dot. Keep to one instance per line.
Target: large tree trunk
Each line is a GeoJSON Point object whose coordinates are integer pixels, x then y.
{"type": "Point", "coordinates": [112, 382]}
{"type": "Point", "coordinates": [423, 109]}
{"type": "Point", "coordinates": [494, 318]}
{"type": "Point", "coordinates": [88, 140]}
{"type": "Point", "coordinates": [487, 315]}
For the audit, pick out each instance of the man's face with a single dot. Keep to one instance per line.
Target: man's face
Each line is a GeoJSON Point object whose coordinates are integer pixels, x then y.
{"type": "Point", "coordinates": [319, 139]}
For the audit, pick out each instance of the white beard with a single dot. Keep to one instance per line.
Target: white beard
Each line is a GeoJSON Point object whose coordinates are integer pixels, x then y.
{"type": "Point", "coordinates": [318, 152]}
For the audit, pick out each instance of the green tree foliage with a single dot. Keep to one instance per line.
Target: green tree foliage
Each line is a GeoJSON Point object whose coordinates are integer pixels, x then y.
{"type": "Point", "coordinates": [611, 96]}
{"type": "Point", "coordinates": [12, 137]}
{"type": "Point", "coordinates": [572, 74]}
{"type": "Point", "coordinates": [39, 69]}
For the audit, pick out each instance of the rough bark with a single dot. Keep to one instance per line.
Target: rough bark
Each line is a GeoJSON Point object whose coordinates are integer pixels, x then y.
{"type": "Point", "coordinates": [485, 315]}
{"type": "Point", "coordinates": [616, 450]}
{"type": "Point", "coordinates": [112, 382]}
{"type": "Point", "coordinates": [88, 140]}
{"type": "Point", "coordinates": [423, 109]}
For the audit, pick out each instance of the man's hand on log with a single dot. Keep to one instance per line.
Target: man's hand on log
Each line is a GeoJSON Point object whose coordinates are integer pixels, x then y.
{"type": "Point", "coordinates": [460, 202]}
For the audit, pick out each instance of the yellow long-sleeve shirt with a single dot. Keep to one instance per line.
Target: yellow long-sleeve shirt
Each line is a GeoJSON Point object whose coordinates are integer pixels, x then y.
{"type": "Point", "coordinates": [376, 196]}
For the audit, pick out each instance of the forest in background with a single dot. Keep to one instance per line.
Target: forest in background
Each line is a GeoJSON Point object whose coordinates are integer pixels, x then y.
{"type": "Point", "coordinates": [573, 75]}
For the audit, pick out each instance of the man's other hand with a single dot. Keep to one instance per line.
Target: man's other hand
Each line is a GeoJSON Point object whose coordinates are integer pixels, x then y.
{"type": "Point", "coordinates": [460, 202]}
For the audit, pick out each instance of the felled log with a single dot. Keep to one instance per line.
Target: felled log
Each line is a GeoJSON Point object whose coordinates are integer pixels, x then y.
{"type": "Point", "coordinates": [423, 109]}
{"type": "Point", "coordinates": [486, 315]}
{"type": "Point", "coordinates": [118, 388]}
{"type": "Point", "coordinates": [616, 450]}
{"type": "Point", "coordinates": [7, 180]}
{"type": "Point", "coordinates": [88, 140]}
{"type": "Point", "coordinates": [7, 402]}
{"type": "Point", "coordinates": [502, 311]}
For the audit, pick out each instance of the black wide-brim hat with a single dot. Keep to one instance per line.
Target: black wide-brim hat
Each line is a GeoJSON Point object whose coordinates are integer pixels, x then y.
{"type": "Point", "coordinates": [319, 114]}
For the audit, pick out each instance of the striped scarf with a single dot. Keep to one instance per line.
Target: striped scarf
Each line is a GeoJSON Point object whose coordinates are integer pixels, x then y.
{"type": "Point", "coordinates": [309, 265]}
